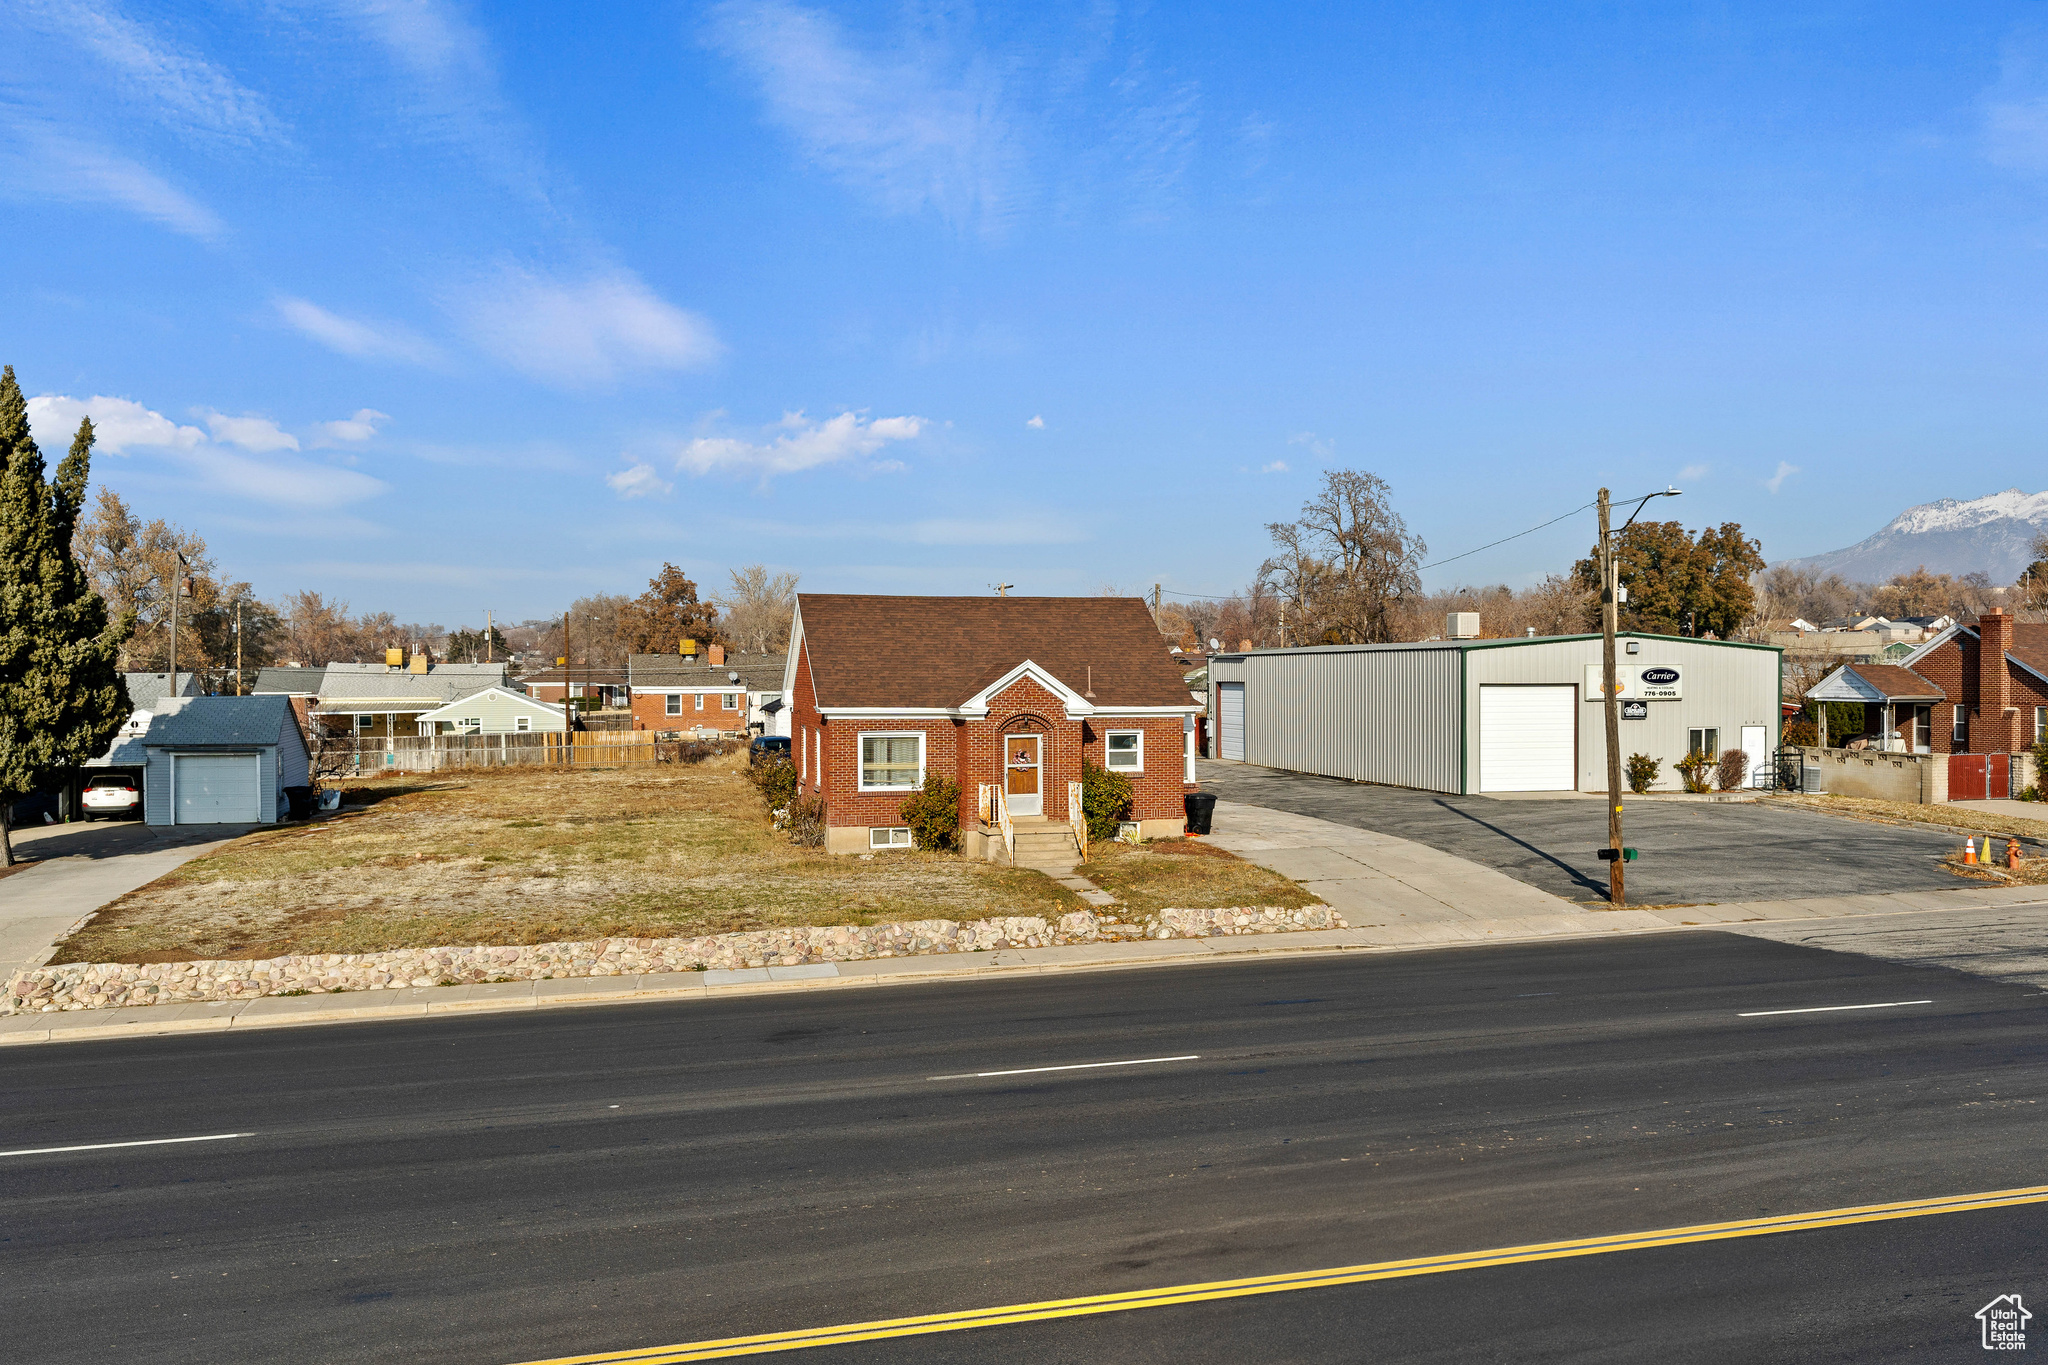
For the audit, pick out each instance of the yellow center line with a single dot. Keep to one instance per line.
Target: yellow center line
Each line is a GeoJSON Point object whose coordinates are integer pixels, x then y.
{"type": "Point", "coordinates": [1310, 1279]}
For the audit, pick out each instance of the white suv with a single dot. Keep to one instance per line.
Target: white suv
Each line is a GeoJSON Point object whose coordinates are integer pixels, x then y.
{"type": "Point", "coordinates": [114, 794]}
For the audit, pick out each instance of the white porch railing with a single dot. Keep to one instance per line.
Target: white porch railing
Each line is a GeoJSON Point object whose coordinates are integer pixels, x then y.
{"type": "Point", "coordinates": [1077, 818]}
{"type": "Point", "coordinates": [996, 811]}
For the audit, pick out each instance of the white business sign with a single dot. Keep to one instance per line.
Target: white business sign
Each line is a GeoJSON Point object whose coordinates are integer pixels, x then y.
{"type": "Point", "coordinates": [1639, 682]}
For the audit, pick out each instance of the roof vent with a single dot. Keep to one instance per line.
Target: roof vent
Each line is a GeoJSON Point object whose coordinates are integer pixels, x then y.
{"type": "Point", "coordinates": [1462, 625]}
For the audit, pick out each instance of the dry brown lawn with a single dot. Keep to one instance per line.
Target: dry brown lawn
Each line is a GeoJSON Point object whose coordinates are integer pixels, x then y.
{"type": "Point", "coordinates": [537, 856]}
{"type": "Point", "coordinates": [1186, 874]}
{"type": "Point", "coordinates": [1962, 816]}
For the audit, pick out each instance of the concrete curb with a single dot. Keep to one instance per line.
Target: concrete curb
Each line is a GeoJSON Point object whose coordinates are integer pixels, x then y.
{"type": "Point", "coordinates": [1004, 964]}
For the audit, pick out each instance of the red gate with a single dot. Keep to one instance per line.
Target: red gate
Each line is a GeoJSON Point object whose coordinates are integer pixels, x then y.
{"type": "Point", "coordinates": [1979, 777]}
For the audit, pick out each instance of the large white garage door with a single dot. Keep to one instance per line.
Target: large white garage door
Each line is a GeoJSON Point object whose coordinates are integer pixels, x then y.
{"type": "Point", "coordinates": [1230, 729]}
{"type": "Point", "coordinates": [215, 789]}
{"type": "Point", "coordinates": [1527, 739]}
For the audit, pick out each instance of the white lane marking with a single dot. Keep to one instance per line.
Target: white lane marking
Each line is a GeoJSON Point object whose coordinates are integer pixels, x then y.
{"type": "Point", "coordinates": [146, 1142]}
{"type": "Point", "coordinates": [1078, 1066]}
{"type": "Point", "coordinates": [1830, 1009]}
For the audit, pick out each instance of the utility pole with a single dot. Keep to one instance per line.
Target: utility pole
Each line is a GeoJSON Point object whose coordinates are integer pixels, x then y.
{"type": "Point", "coordinates": [238, 647]}
{"type": "Point", "coordinates": [177, 590]}
{"type": "Point", "coordinates": [1002, 589]}
{"type": "Point", "coordinates": [490, 641]}
{"type": "Point", "coordinates": [1283, 623]}
{"type": "Point", "coordinates": [1155, 602]}
{"type": "Point", "coordinates": [1611, 705]}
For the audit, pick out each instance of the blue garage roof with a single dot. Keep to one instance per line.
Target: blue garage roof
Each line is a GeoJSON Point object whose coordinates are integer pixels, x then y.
{"type": "Point", "coordinates": [218, 722]}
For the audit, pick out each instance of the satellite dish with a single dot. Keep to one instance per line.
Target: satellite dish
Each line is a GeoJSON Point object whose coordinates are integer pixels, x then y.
{"type": "Point", "coordinates": [1215, 643]}
{"type": "Point", "coordinates": [732, 677]}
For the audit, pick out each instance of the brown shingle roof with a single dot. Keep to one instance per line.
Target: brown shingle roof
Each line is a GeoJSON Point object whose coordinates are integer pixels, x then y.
{"type": "Point", "coordinates": [758, 672]}
{"type": "Point", "coordinates": [940, 651]}
{"type": "Point", "coordinates": [1898, 683]}
{"type": "Point", "coordinates": [2030, 645]}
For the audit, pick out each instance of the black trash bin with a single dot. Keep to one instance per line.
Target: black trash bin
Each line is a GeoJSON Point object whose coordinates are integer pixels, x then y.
{"type": "Point", "coordinates": [299, 800]}
{"type": "Point", "coordinates": [1200, 807]}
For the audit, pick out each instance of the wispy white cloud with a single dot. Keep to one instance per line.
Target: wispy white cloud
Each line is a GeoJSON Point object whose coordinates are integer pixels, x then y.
{"type": "Point", "coordinates": [638, 481]}
{"type": "Point", "coordinates": [1275, 467]}
{"type": "Point", "coordinates": [912, 129]}
{"type": "Point", "coordinates": [249, 431]}
{"type": "Point", "coordinates": [1693, 471]}
{"type": "Point", "coordinates": [1036, 424]}
{"type": "Point", "coordinates": [180, 88]}
{"type": "Point", "coordinates": [124, 427]}
{"type": "Point", "coordinates": [802, 443]}
{"type": "Point", "coordinates": [1322, 447]}
{"type": "Point", "coordinates": [578, 333]}
{"type": "Point", "coordinates": [48, 165]}
{"type": "Point", "coordinates": [353, 336]}
{"type": "Point", "coordinates": [360, 427]}
{"type": "Point", "coordinates": [1777, 480]}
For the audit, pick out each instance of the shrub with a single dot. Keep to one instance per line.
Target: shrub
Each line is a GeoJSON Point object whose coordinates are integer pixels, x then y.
{"type": "Point", "coordinates": [1642, 772]}
{"type": "Point", "coordinates": [1693, 770]}
{"type": "Point", "coordinates": [934, 814]}
{"type": "Point", "coordinates": [1105, 801]}
{"type": "Point", "coordinates": [806, 821]}
{"type": "Point", "coordinates": [1731, 769]}
{"type": "Point", "coordinates": [697, 750]}
{"type": "Point", "coordinates": [1801, 733]}
{"type": "Point", "coordinates": [2030, 793]}
{"type": "Point", "coordinates": [776, 781]}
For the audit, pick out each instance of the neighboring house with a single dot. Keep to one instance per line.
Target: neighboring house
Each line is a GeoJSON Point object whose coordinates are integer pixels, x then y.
{"type": "Point", "coordinates": [382, 701]}
{"type": "Point", "coordinates": [1994, 676]}
{"type": "Point", "coordinates": [714, 690]}
{"type": "Point", "coordinates": [145, 690]}
{"type": "Point", "coordinates": [221, 760]}
{"type": "Point", "coordinates": [1898, 704]}
{"type": "Point", "coordinates": [293, 680]}
{"type": "Point", "coordinates": [1801, 624]}
{"type": "Point", "coordinates": [608, 685]}
{"type": "Point", "coordinates": [1004, 693]}
{"type": "Point", "coordinates": [494, 711]}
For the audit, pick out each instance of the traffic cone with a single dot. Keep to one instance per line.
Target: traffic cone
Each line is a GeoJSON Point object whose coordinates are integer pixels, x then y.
{"type": "Point", "coordinates": [1987, 850]}
{"type": "Point", "coordinates": [1969, 853]}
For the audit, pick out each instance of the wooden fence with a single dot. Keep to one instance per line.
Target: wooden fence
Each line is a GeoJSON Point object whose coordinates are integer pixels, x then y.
{"type": "Point", "coordinates": [367, 757]}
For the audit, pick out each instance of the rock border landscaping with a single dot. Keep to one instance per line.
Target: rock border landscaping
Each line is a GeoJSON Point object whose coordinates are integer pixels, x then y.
{"type": "Point", "coordinates": [105, 985]}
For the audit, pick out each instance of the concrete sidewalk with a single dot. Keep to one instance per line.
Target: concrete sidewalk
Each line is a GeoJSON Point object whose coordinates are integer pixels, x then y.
{"type": "Point", "coordinates": [81, 868]}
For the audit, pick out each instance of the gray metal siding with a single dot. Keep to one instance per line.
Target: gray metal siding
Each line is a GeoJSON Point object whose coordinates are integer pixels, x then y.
{"type": "Point", "coordinates": [156, 788]}
{"type": "Point", "coordinates": [1388, 715]}
{"type": "Point", "coordinates": [1725, 686]}
{"type": "Point", "coordinates": [293, 763]}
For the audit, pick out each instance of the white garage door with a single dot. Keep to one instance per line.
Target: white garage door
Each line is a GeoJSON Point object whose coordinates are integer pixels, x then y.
{"type": "Point", "coordinates": [215, 789]}
{"type": "Point", "coordinates": [1527, 739]}
{"type": "Point", "coordinates": [1230, 731]}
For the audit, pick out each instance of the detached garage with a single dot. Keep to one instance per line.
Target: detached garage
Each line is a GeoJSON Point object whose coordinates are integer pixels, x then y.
{"type": "Point", "coordinates": [1485, 716]}
{"type": "Point", "coordinates": [222, 760]}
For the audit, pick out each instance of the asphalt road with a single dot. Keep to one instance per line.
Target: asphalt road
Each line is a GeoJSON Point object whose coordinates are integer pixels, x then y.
{"type": "Point", "coordinates": [1692, 852]}
{"type": "Point", "coordinates": [514, 1188]}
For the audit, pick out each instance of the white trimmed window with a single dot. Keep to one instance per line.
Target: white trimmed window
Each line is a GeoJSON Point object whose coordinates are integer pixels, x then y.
{"type": "Point", "coordinates": [1706, 740]}
{"type": "Point", "coordinates": [881, 837]}
{"type": "Point", "coordinates": [731, 701]}
{"type": "Point", "coordinates": [523, 724]}
{"type": "Point", "coordinates": [672, 704]}
{"type": "Point", "coordinates": [892, 762]}
{"type": "Point", "coordinates": [700, 701]}
{"type": "Point", "coordinates": [1959, 735]}
{"type": "Point", "coordinates": [2040, 723]}
{"type": "Point", "coordinates": [1123, 751]}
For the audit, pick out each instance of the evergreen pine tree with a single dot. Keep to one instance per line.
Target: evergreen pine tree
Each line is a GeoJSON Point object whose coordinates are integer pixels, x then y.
{"type": "Point", "coordinates": [61, 695]}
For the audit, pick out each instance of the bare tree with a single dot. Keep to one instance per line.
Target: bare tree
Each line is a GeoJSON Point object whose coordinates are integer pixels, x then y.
{"type": "Point", "coordinates": [1343, 567]}
{"type": "Point", "coordinates": [758, 609]}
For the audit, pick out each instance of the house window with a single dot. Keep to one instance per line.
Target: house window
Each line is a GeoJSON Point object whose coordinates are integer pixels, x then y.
{"type": "Point", "coordinates": [523, 724]}
{"type": "Point", "coordinates": [2040, 723]}
{"type": "Point", "coordinates": [672, 704]}
{"type": "Point", "coordinates": [364, 724]}
{"type": "Point", "coordinates": [472, 723]}
{"type": "Point", "coordinates": [731, 701]}
{"type": "Point", "coordinates": [1923, 729]}
{"type": "Point", "coordinates": [1959, 736]}
{"type": "Point", "coordinates": [700, 701]}
{"type": "Point", "coordinates": [1705, 740]}
{"type": "Point", "coordinates": [891, 762]}
{"type": "Point", "coordinates": [1124, 751]}
{"type": "Point", "coordinates": [889, 838]}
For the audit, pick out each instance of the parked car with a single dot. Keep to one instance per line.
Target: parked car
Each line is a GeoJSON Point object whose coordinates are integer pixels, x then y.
{"type": "Point", "coordinates": [112, 795]}
{"type": "Point", "coordinates": [764, 747]}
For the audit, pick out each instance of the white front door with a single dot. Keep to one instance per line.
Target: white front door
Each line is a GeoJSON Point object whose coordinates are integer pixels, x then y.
{"type": "Point", "coordinates": [215, 789]}
{"type": "Point", "coordinates": [1022, 787]}
{"type": "Point", "coordinates": [1527, 739]}
{"type": "Point", "coordinates": [1230, 725]}
{"type": "Point", "coordinates": [1756, 742]}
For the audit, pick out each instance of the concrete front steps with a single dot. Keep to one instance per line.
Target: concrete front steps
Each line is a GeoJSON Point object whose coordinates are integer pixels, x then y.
{"type": "Point", "coordinates": [1046, 846]}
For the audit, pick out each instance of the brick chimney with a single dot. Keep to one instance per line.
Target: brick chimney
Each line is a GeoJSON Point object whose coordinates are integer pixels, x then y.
{"type": "Point", "coordinates": [1992, 733]}
{"type": "Point", "coordinates": [718, 655]}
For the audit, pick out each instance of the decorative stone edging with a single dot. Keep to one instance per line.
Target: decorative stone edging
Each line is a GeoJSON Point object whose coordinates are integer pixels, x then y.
{"type": "Point", "coordinates": [104, 985]}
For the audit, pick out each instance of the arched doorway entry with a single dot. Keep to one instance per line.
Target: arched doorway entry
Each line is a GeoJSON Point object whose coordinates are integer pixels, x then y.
{"type": "Point", "coordinates": [1025, 761]}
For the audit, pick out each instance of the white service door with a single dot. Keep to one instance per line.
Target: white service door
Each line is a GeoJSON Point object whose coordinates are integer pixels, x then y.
{"type": "Point", "coordinates": [1230, 726]}
{"type": "Point", "coordinates": [215, 789]}
{"type": "Point", "coordinates": [1528, 739]}
{"type": "Point", "coordinates": [1756, 742]}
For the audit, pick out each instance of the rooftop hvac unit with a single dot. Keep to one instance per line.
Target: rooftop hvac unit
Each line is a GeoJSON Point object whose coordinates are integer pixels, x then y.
{"type": "Point", "coordinates": [1462, 625]}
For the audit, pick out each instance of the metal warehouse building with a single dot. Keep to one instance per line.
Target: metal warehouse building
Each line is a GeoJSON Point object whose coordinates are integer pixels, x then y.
{"type": "Point", "coordinates": [1478, 716]}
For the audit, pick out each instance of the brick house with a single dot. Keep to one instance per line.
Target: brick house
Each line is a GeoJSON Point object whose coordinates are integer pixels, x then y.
{"type": "Point", "coordinates": [1979, 688]}
{"type": "Point", "coordinates": [710, 690]}
{"type": "Point", "coordinates": [999, 692]}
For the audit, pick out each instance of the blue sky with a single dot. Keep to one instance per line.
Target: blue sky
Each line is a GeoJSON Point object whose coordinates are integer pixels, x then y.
{"type": "Point", "coordinates": [441, 307]}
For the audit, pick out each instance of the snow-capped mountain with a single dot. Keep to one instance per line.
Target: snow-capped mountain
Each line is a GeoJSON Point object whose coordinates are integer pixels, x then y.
{"type": "Point", "coordinates": [1993, 534]}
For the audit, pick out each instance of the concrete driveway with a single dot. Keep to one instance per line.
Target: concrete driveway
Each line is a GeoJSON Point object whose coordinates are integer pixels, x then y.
{"type": "Point", "coordinates": [1700, 853]}
{"type": "Point", "coordinates": [78, 868]}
